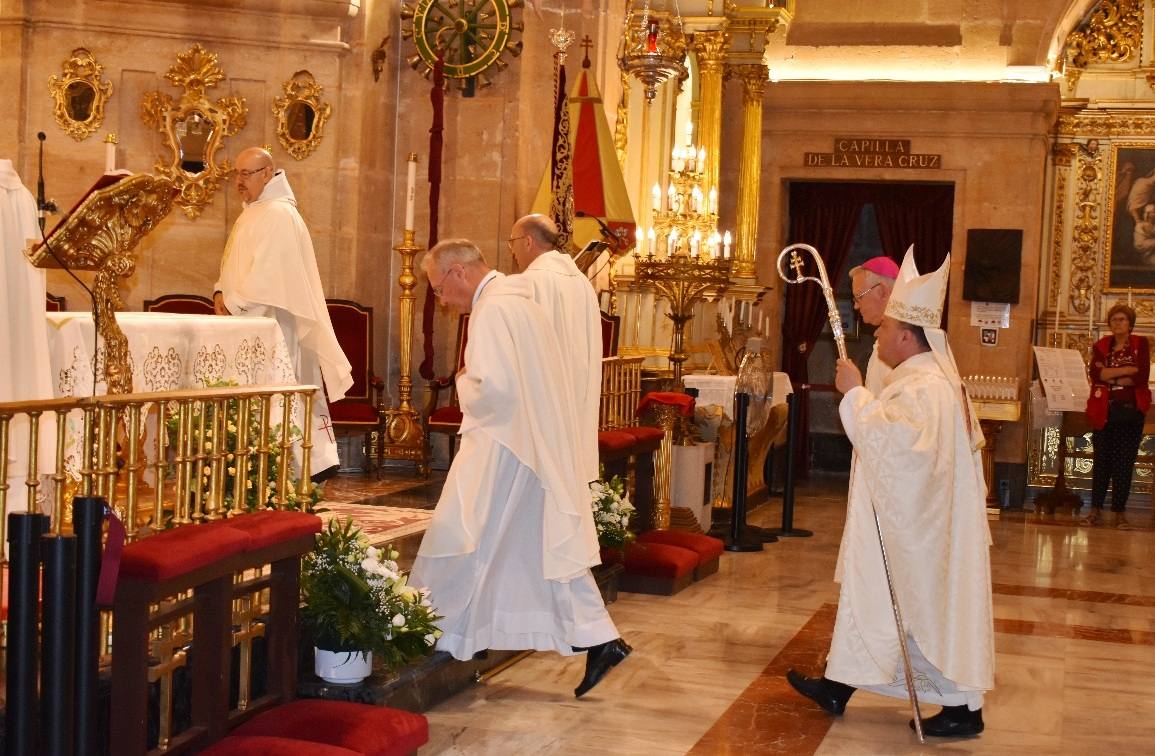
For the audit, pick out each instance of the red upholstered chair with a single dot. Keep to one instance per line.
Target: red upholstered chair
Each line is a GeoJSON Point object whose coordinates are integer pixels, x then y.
{"type": "Point", "coordinates": [442, 414]}
{"type": "Point", "coordinates": [180, 304]}
{"type": "Point", "coordinates": [611, 327]}
{"type": "Point", "coordinates": [53, 303]}
{"type": "Point", "coordinates": [361, 410]}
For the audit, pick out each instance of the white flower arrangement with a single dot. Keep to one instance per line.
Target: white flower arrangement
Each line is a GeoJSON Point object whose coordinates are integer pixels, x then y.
{"type": "Point", "coordinates": [612, 512]}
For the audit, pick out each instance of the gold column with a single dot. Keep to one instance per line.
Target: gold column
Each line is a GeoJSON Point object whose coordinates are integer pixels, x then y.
{"type": "Point", "coordinates": [754, 78]}
{"type": "Point", "coordinates": [710, 47]}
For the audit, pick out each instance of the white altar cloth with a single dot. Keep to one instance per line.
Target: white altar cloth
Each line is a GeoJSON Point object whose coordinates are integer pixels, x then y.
{"type": "Point", "coordinates": [718, 390]}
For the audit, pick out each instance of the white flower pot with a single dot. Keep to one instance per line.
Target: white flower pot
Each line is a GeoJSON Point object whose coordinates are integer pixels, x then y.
{"type": "Point", "coordinates": [342, 667]}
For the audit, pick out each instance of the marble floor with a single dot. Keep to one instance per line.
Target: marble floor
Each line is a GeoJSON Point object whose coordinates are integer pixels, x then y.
{"type": "Point", "coordinates": [1075, 637]}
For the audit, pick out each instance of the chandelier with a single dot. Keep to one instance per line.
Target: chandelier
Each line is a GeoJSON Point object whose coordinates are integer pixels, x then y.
{"type": "Point", "coordinates": [653, 46]}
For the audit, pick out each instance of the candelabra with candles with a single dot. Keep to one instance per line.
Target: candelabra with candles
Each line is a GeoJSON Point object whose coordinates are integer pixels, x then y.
{"type": "Point", "coordinates": [682, 256]}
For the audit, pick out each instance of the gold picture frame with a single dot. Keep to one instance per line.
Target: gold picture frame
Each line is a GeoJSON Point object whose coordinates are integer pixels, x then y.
{"type": "Point", "coordinates": [194, 128]}
{"type": "Point", "coordinates": [1130, 219]}
{"type": "Point", "coordinates": [301, 115]}
{"type": "Point", "coordinates": [79, 95]}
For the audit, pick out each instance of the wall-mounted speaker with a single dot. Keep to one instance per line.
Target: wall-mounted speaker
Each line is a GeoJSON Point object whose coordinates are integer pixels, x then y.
{"type": "Point", "coordinates": [994, 262]}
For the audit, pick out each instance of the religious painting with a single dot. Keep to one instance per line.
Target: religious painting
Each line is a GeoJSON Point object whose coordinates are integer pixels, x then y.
{"type": "Point", "coordinates": [1131, 229]}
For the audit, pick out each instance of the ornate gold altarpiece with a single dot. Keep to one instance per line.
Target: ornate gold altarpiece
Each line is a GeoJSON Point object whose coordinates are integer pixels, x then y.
{"type": "Point", "coordinates": [100, 235]}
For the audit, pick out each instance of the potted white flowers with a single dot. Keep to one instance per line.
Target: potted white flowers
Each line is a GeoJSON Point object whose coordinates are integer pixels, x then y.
{"type": "Point", "coordinates": [612, 512]}
{"type": "Point", "coordinates": [358, 603]}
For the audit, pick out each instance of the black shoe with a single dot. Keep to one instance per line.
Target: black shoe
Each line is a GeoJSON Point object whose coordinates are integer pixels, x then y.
{"type": "Point", "coordinates": [829, 694]}
{"type": "Point", "coordinates": [953, 722]}
{"type": "Point", "coordinates": [324, 475]}
{"type": "Point", "coordinates": [599, 660]}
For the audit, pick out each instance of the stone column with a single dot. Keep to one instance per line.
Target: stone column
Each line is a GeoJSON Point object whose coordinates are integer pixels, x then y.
{"type": "Point", "coordinates": [710, 47]}
{"type": "Point", "coordinates": [754, 78]}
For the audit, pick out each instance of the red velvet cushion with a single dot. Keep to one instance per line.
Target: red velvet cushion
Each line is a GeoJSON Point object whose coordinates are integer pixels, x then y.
{"type": "Point", "coordinates": [346, 411]}
{"type": "Point", "coordinates": [269, 527]}
{"type": "Point", "coordinates": [445, 416]}
{"type": "Point", "coordinates": [181, 550]}
{"type": "Point", "coordinates": [655, 560]}
{"type": "Point", "coordinates": [268, 745]}
{"type": "Point", "coordinates": [614, 440]}
{"type": "Point", "coordinates": [706, 547]}
{"type": "Point", "coordinates": [645, 433]}
{"type": "Point", "coordinates": [684, 402]}
{"type": "Point", "coordinates": [371, 730]}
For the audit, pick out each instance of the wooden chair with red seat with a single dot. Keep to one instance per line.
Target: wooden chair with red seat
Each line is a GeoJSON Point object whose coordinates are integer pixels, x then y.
{"type": "Point", "coordinates": [180, 304]}
{"type": "Point", "coordinates": [441, 412]}
{"type": "Point", "coordinates": [361, 411]}
{"type": "Point", "coordinates": [53, 303]}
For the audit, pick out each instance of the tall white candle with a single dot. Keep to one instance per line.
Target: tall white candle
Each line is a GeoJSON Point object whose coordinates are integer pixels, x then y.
{"type": "Point", "coordinates": [110, 153]}
{"type": "Point", "coordinates": [726, 245]}
{"type": "Point", "coordinates": [411, 191]}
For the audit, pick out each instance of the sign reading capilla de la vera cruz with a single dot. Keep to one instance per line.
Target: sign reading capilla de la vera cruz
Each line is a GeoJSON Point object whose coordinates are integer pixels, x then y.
{"type": "Point", "coordinates": [860, 152]}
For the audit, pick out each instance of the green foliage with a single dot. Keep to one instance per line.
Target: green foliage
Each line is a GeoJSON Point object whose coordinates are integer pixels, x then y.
{"type": "Point", "coordinates": [356, 599]}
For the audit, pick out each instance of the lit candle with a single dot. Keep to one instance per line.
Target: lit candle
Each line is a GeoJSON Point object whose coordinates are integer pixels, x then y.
{"type": "Point", "coordinates": [650, 238]}
{"type": "Point", "coordinates": [656, 196]}
{"type": "Point", "coordinates": [701, 158]}
{"type": "Point", "coordinates": [639, 239]}
{"type": "Point", "coordinates": [713, 201]}
{"type": "Point", "coordinates": [689, 133]}
{"type": "Point", "coordinates": [726, 245]}
{"type": "Point", "coordinates": [411, 191]}
{"type": "Point", "coordinates": [672, 243]}
{"type": "Point", "coordinates": [110, 153]}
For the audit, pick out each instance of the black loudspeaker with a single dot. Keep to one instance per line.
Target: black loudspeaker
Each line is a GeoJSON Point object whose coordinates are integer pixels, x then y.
{"type": "Point", "coordinates": [994, 260]}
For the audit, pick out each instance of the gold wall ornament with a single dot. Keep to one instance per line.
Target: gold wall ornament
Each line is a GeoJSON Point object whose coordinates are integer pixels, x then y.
{"type": "Point", "coordinates": [301, 115]}
{"type": "Point", "coordinates": [80, 95]}
{"type": "Point", "coordinates": [100, 235]}
{"type": "Point", "coordinates": [1085, 235]}
{"type": "Point", "coordinates": [194, 128]}
{"type": "Point", "coordinates": [1112, 34]}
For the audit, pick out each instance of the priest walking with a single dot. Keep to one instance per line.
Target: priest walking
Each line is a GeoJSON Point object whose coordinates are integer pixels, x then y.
{"type": "Point", "coordinates": [918, 466]}
{"type": "Point", "coordinates": [508, 553]}
{"type": "Point", "coordinates": [269, 269]}
{"type": "Point", "coordinates": [571, 306]}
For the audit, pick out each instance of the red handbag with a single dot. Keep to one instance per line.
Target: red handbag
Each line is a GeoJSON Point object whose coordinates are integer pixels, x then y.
{"type": "Point", "coordinates": [1097, 405]}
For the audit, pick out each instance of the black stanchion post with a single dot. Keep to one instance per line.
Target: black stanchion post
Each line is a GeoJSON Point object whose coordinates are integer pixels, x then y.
{"type": "Point", "coordinates": [58, 640]}
{"type": "Point", "coordinates": [788, 530]}
{"type": "Point", "coordinates": [87, 519]}
{"type": "Point", "coordinates": [24, 532]}
{"type": "Point", "coordinates": [738, 540]}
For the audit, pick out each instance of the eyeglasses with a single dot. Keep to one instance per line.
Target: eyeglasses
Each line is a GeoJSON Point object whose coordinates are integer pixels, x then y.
{"type": "Point", "coordinates": [246, 174]}
{"type": "Point", "coordinates": [439, 290]}
{"type": "Point", "coordinates": [512, 239]}
{"type": "Point", "coordinates": [864, 292]}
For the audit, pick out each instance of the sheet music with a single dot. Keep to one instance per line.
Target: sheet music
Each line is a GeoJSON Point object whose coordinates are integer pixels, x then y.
{"type": "Point", "coordinates": [1064, 377]}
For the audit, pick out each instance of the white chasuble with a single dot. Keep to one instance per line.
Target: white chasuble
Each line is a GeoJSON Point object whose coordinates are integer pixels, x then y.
{"type": "Point", "coordinates": [507, 555]}
{"type": "Point", "coordinates": [915, 463]}
{"type": "Point", "coordinates": [26, 373]}
{"type": "Point", "coordinates": [269, 269]}
{"type": "Point", "coordinates": [572, 308]}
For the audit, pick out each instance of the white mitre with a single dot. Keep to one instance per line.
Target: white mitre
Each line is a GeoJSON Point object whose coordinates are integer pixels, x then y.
{"type": "Point", "coordinates": [918, 300]}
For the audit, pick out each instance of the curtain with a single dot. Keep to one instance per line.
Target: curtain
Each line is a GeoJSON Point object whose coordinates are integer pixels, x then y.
{"type": "Point", "coordinates": [823, 215]}
{"type": "Point", "coordinates": [918, 214]}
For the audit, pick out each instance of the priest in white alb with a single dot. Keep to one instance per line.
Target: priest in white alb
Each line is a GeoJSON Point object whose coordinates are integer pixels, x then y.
{"type": "Point", "coordinates": [508, 553]}
{"type": "Point", "coordinates": [26, 373]}
{"type": "Point", "coordinates": [917, 464]}
{"type": "Point", "coordinates": [571, 306]}
{"type": "Point", "coordinates": [269, 269]}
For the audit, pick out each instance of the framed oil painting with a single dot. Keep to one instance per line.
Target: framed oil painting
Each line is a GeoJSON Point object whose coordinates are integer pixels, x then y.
{"type": "Point", "coordinates": [1131, 228]}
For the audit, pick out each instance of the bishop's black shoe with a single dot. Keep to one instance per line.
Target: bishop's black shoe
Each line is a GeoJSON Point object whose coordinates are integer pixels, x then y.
{"type": "Point", "coordinates": [953, 722]}
{"type": "Point", "coordinates": [829, 694]}
{"type": "Point", "coordinates": [325, 474]}
{"type": "Point", "coordinates": [599, 660]}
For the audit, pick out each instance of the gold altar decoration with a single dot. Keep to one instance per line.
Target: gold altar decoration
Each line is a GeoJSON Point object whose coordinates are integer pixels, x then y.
{"type": "Point", "coordinates": [301, 115]}
{"type": "Point", "coordinates": [100, 235]}
{"type": "Point", "coordinates": [653, 46]}
{"type": "Point", "coordinates": [754, 79]}
{"type": "Point", "coordinates": [1113, 34]}
{"type": "Point", "coordinates": [404, 431]}
{"type": "Point", "coordinates": [194, 128]}
{"type": "Point", "coordinates": [79, 95]}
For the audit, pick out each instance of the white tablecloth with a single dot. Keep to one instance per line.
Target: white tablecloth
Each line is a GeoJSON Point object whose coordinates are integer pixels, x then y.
{"type": "Point", "coordinates": [718, 390]}
{"type": "Point", "coordinates": [170, 352]}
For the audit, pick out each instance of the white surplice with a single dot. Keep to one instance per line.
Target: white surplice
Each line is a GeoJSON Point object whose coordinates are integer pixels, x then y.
{"type": "Point", "coordinates": [269, 269]}
{"type": "Point", "coordinates": [572, 308]}
{"type": "Point", "coordinates": [507, 555]}
{"type": "Point", "coordinates": [915, 462]}
{"type": "Point", "coordinates": [26, 373]}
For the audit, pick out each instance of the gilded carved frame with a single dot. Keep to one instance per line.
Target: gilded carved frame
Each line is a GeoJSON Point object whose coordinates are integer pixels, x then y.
{"type": "Point", "coordinates": [301, 115]}
{"type": "Point", "coordinates": [79, 95]}
{"type": "Point", "coordinates": [1129, 225]}
{"type": "Point", "coordinates": [194, 128]}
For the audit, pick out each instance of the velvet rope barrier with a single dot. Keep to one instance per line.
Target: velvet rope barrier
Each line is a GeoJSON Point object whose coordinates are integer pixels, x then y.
{"type": "Point", "coordinates": [436, 133]}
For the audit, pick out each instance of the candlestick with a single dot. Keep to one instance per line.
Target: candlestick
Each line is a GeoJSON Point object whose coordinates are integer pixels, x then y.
{"type": "Point", "coordinates": [726, 246]}
{"type": "Point", "coordinates": [110, 153]}
{"type": "Point", "coordinates": [411, 191]}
